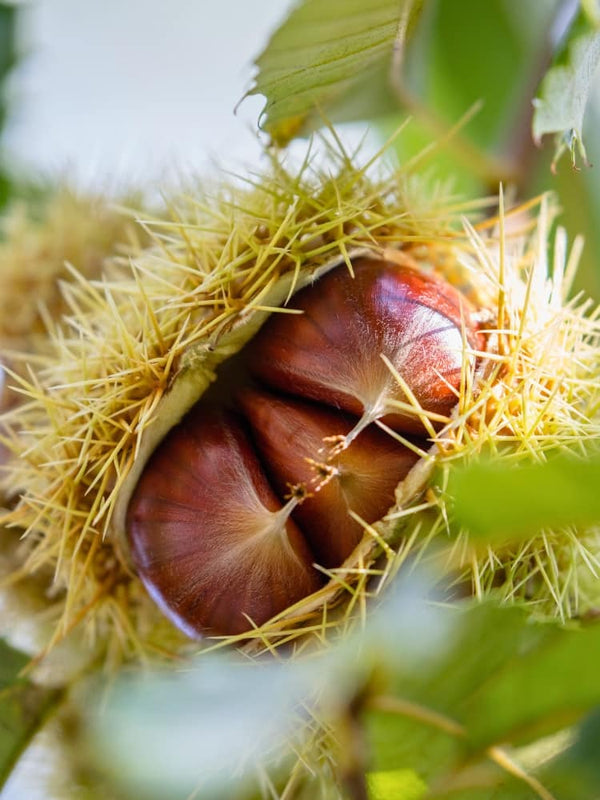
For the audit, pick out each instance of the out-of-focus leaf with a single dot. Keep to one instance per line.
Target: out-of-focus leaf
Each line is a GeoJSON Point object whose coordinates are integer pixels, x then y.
{"type": "Point", "coordinates": [8, 57]}
{"type": "Point", "coordinates": [327, 51]}
{"type": "Point", "coordinates": [8, 14]}
{"type": "Point", "coordinates": [23, 708]}
{"type": "Point", "coordinates": [570, 767]}
{"type": "Point", "coordinates": [497, 501]}
{"type": "Point", "coordinates": [479, 52]}
{"type": "Point", "coordinates": [483, 642]}
{"type": "Point", "coordinates": [550, 682]}
{"type": "Point", "coordinates": [208, 730]}
{"type": "Point", "coordinates": [580, 762]}
{"type": "Point", "coordinates": [492, 783]}
{"type": "Point", "coordinates": [565, 89]}
{"type": "Point", "coordinates": [474, 56]}
{"type": "Point", "coordinates": [592, 11]}
{"type": "Point", "coordinates": [212, 727]}
{"type": "Point", "coordinates": [395, 784]}
{"type": "Point", "coordinates": [579, 195]}
{"type": "Point", "coordinates": [504, 682]}
{"type": "Point", "coordinates": [407, 631]}
{"type": "Point", "coordinates": [494, 680]}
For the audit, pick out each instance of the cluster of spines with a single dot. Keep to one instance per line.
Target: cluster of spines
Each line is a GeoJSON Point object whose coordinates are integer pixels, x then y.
{"type": "Point", "coordinates": [125, 337]}
{"type": "Point", "coordinates": [539, 394]}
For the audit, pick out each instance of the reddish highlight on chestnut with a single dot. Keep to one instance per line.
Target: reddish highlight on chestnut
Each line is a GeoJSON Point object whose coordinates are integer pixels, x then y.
{"type": "Point", "coordinates": [240, 505]}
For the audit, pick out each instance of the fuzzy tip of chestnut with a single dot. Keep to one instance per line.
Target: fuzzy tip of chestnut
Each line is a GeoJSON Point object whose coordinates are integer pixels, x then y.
{"type": "Point", "coordinates": [240, 513]}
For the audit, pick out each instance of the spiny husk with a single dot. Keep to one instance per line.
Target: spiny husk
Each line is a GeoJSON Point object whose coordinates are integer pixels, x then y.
{"type": "Point", "coordinates": [39, 236]}
{"type": "Point", "coordinates": [538, 394]}
{"type": "Point", "coordinates": [138, 347]}
{"type": "Point", "coordinates": [38, 239]}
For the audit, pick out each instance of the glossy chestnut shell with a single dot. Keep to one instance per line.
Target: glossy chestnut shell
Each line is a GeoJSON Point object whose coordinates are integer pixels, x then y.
{"type": "Point", "coordinates": [239, 503]}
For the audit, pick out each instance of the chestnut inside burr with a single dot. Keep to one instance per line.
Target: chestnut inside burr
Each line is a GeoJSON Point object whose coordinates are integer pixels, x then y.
{"type": "Point", "coordinates": [275, 474]}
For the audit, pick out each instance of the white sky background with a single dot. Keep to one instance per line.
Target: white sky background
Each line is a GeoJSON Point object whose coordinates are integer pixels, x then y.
{"type": "Point", "coordinates": [126, 90]}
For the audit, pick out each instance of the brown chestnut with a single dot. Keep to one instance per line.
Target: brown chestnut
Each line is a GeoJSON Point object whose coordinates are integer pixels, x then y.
{"type": "Point", "coordinates": [211, 541]}
{"type": "Point", "coordinates": [332, 352]}
{"type": "Point", "coordinates": [212, 532]}
{"type": "Point", "coordinates": [296, 440]}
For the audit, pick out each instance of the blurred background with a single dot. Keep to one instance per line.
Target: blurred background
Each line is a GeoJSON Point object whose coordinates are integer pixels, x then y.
{"type": "Point", "coordinates": [137, 93]}
{"type": "Point", "coordinates": [122, 92]}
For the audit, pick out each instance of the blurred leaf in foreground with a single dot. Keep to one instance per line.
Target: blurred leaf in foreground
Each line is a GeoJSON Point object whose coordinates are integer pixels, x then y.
{"type": "Point", "coordinates": [23, 708]}
{"type": "Point", "coordinates": [330, 53]}
{"type": "Point", "coordinates": [564, 91]}
{"type": "Point", "coordinates": [498, 501]}
{"type": "Point", "coordinates": [592, 11]}
{"type": "Point", "coordinates": [504, 684]}
{"type": "Point", "coordinates": [212, 728]}
{"type": "Point", "coordinates": [580, 762]}
{"type": "Point", "coordinates": [483, 679]}
{"type": "Point", "coordinates": [8, 53]}
{"type": "Point", "coordinates": [396, 784]}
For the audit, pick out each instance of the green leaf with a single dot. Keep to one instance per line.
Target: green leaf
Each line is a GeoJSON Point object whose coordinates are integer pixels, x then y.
{"type": "Point", "coordinates": [564, 92]}
{"type": "Point", "coordinates": [8, 57]}
{"type": "Point", "coordinates": [504, 682]}
{"type": "Point", "coordinates": [23, 708]}
{"type": "Point", "coordinates": [8, 16]}
{"type": "Point", "coordinates": [212, 727]}
{"type": "Point", "coordinates": [326, 52]}
{"type": "Point", "coordinates": [496, 501]}
{"type": "Point", "coordinates": [577, 770]}
{"type": "Point", "coordinates": [567, 765]}
{"type": "Point", "coordinates": [478, 62]}
{"type": "Point", "coordinates": [483, 642]}
{"type": "Point", "coordinates": [487, 678]}
{"type": "Point", "coordinates": [466, 63]}
{"type": "Point", "coordinates": [550, 682]}
{"type": "Point", "coordinates": [592, 11]}
{"type": "Point", "coordinates": [395, 784]}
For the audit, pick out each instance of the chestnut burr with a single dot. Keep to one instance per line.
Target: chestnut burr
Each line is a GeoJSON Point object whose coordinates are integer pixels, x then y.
{"type": "Point", "coordinates": [235, 512]}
